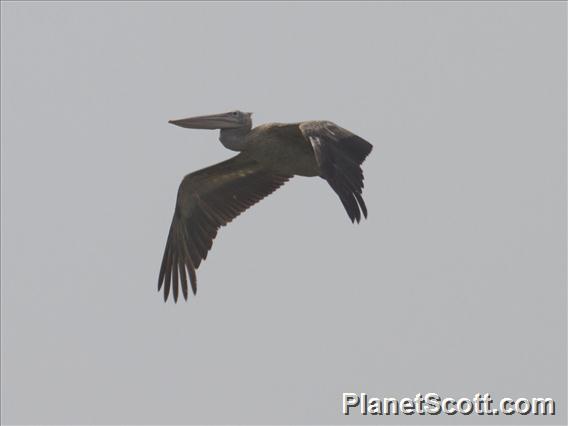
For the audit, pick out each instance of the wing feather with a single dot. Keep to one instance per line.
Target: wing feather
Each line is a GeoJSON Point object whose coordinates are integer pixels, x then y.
{"type": "Point", "coordinates": [339, 154]}
{"type": "Point", "coordinates": [206, 200]}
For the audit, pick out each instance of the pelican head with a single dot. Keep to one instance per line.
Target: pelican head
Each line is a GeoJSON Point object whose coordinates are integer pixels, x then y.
{"type": "Point", "coordinates": [228, 120]}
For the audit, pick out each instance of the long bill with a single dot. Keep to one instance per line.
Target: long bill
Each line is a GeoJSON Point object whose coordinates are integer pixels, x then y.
{"type": "Point", "coordinates": [214, 121]}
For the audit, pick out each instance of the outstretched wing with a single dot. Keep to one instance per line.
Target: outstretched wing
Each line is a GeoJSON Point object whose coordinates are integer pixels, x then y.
{"type": "Point", "coordinates": [206, 200]}
{"type": "Point", "coordinates": [339, 154]}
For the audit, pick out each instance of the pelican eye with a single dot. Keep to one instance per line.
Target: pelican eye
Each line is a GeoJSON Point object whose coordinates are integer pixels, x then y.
{"type": "Point", "coordinates": [234, 113]}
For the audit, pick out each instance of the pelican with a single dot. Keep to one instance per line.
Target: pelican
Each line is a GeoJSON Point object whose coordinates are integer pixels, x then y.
{"type": "Point", "coordinates": [269, 155]}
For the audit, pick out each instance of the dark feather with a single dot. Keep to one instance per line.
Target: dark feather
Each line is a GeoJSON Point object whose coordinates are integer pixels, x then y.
{"type": "Point", "coordinates": [208, 199]}
{"type": "Point", "coordinates": [339, 154]}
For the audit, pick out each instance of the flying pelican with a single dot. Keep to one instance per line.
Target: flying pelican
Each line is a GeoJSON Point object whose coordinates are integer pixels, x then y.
{"type": "Point", "coordinates": [269, 155]}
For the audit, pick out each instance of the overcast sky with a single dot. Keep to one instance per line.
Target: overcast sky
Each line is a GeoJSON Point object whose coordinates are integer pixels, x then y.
{"type": "Point", "coordinates": [455, 284]}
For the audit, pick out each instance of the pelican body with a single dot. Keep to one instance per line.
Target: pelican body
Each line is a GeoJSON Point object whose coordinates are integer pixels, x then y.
{"type": "Point", "coordinates": [269, 155]}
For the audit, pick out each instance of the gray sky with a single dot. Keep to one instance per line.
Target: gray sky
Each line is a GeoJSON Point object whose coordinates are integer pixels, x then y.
{"type": "Point", "coordinates": [456, 283]}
